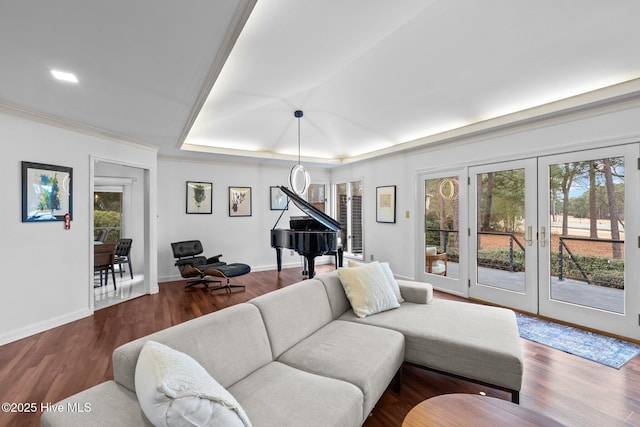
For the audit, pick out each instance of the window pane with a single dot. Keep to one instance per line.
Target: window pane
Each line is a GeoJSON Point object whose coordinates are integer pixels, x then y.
{"type": "Point", "coordinates": [501, 235]}
{"type": "Point", "coordinates": [442, 221]}
{"type": "Point", "coordinates": [356, 217]}
{"type": "Point", "coordinates": [349, 214]}
{"type": "Point", "coordinates": [587, 233]}
{"type": "Point", "coordinates": [107, 216]}
{"type": "Point", "coordinates": [316, 196]}
{"type": "Point", "coordinates": [341, 212]}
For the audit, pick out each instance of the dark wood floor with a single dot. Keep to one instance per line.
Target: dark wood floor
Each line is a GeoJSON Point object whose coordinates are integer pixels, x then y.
{"type": "Point", "coordinates": [50, 366]}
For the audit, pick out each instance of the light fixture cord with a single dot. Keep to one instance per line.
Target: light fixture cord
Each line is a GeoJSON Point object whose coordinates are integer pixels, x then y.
{"type": "Point", "coordinates": [298, 140]}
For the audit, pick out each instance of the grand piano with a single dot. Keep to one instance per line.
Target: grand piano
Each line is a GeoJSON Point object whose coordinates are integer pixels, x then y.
{"type": "Point", "coordinates": [312, 235]}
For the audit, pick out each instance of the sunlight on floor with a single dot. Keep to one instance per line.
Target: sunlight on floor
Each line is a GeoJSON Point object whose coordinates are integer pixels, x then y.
{"type": "Point", "coordinates": [126, 289]}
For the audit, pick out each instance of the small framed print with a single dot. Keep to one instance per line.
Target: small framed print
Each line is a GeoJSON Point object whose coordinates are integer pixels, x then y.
{"type": "Point", "coordinates": [239, 201]}
{"type": "Point", "coordinates": [46, 192]}
{"type": "Point", "coordinates": [279, 200]}
{"type": "Point", "coordinates": [199, 197]}
{"type": "Point", "coordinates": [386, 204]}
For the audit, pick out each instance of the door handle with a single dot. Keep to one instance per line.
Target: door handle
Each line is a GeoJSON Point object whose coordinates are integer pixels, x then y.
{"type": "Point", "coordinates": [529, 238]}
{"type": "Point", "coordinates": [543, 236]}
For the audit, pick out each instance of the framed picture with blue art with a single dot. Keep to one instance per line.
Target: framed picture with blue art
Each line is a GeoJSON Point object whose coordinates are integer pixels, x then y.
{"type": "Point", "coordinates": [46, 192]}
{"type": "Point", "coordinates": [199, 197]}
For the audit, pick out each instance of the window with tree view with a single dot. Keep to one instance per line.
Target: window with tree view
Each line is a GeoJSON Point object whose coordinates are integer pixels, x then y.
{"type": "Point", "coordinates": [501, 229]}
{"type": "Point", "coordinates": [587, 233]}
{"type": "Point", "coordinates": [442, 217]}
{"type": "Point", "coordinates": [107, 216]}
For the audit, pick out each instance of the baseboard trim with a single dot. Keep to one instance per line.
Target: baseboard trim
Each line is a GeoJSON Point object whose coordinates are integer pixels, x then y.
{"type": "Point", "coordinates": [43, 326]}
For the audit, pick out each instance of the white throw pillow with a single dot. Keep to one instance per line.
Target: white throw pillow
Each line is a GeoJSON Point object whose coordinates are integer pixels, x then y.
{"type": "Point", "coordinates": [367, 289]}
{"type": "Point", "coordinates": [388, 274]}
{"type": "Point", "coordinates": [386, 269]}
{"type": "Point", "coordinates": [173, 389]}
{"type": "Point", "coordinates": [351, 263]}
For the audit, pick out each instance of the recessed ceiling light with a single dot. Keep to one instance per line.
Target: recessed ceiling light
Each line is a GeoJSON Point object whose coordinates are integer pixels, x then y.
{"type": "Point", "coordinates": [64, 76]}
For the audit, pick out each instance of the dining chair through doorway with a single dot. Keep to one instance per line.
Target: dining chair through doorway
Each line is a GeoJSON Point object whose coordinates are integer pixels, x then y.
{"type": "Point", "coordinates": [123, 255]}
{"type": "Point", "coordinates": [103, 258]}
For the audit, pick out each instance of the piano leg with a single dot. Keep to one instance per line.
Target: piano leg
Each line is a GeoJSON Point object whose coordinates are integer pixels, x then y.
{"type": "Point", "coordinates": [279, 258]}
{"type": "Point", "coordinates": [311, 266]}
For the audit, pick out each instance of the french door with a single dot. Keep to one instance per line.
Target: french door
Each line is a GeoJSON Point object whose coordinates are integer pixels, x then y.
{"type": "Point", "coordinates": [443, 244]}
{"type": "Point", "coordinates": [557, 235]}
{"type": "Point", "coordinates": [589, 245]}
{"type": "Point", "coordinates": [503, 245]}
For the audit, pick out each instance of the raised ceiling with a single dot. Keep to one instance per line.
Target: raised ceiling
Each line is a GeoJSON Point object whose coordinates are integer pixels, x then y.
{"type": "Point", "coordinates": [371, 77]}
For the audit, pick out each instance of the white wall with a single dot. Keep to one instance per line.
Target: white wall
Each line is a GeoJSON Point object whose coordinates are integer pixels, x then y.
{"type": "Point", "coordinates": [239, 239]}
{"type": "Point", "coordinates": [609, 125]}
{"type": "Point", "coordinates": [45, 269]}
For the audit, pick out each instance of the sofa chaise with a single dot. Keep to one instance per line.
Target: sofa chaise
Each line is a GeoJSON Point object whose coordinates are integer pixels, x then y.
{"type": "Point", "coordinates": [299, 356]}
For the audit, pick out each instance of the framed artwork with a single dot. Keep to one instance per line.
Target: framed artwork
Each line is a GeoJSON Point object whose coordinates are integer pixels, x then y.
{"type": "Point", "coordinates": [278, 199]}
{"type": "Point", "coordinates": [239, 201]}
{"type": "Point", "coordinates": [199, 197]}
{"type": "Point", "coordinates": [316, 196]}
{"type": "Point", "coordinates": [46, 192]}
{"type": "Point", "coordinates": [386, 204]}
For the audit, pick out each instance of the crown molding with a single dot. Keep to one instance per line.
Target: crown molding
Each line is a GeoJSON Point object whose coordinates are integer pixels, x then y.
{"type": "Point", "coordinates": [70, 125]}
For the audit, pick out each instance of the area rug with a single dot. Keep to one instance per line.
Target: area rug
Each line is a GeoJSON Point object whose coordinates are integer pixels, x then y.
{"type": "Point", "coordinates": [599, 348]}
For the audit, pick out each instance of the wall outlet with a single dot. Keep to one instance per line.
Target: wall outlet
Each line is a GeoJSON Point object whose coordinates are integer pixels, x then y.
{"type": "Point", "coordinates": [371, 257]}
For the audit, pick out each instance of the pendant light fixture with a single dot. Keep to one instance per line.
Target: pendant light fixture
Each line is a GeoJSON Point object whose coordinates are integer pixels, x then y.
{"type": "Point", "coordinates": [299, 178]}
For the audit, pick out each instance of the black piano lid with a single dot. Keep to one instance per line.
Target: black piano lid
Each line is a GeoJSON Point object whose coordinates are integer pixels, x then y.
{"type": "Point", "coordinates": [311, 210]}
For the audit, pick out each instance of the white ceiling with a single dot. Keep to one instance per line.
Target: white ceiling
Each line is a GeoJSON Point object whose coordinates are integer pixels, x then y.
{"type": "Point", "coordinates": [141, 64]}
{"type": "Point", "coordinates": [370, 76]}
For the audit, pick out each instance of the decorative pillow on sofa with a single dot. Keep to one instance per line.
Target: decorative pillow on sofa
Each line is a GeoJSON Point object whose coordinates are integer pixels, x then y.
{"type": "Point", "coordinates": [173, 389]}
{"type": "Point", "coordinates": [367, 289]}
{"type": "Point", "coordinates": [386, 269]}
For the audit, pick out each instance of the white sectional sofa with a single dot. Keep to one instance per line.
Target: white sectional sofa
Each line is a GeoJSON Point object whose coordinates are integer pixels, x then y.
{"type": "Point", "coordinates": [299, 356]}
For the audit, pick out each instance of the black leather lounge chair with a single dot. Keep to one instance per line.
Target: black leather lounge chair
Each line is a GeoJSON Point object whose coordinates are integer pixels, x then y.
{"type": "Point", "coordinates": [203, 270]}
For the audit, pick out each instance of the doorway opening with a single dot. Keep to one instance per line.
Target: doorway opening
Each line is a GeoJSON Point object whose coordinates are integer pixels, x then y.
{"type": "Point", "coordinates": [119, 223]}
